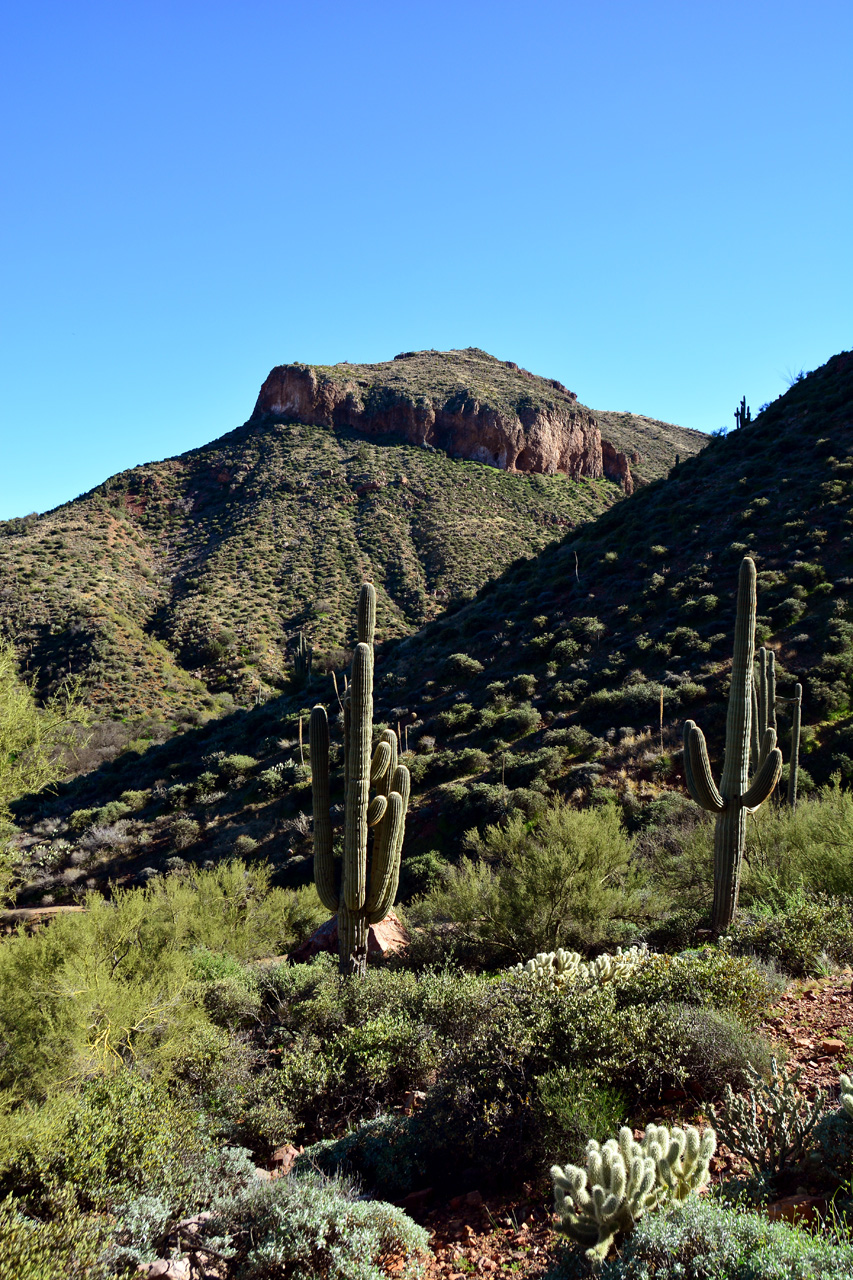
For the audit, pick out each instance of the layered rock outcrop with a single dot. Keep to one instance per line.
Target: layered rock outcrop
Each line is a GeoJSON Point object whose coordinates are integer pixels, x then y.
{"type": "Point", "coordinates": [544, 434]}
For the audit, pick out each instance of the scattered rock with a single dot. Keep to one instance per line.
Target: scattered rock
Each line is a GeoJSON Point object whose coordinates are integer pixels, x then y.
{"type": "Point", "coordinates": [285, 1157]}
{"type": "Point", "coordinates": [802, 1209]}
{"type": "Point", "coordinates": [383, 938]}
{"type": "Point", "coordinates": [165, 1269]}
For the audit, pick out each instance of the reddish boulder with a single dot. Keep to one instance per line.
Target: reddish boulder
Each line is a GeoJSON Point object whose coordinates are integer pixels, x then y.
{"type": "Point", "coordinates": [383, 939]}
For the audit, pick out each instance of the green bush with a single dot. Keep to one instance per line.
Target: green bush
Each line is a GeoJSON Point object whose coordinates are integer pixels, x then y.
{"type": "Point", "coordinates": [309, 1226]}
{"type": "Point", "coordinates": [564, 879]}
{"type": "Point", "coordinates": [810, 846]}
{"type": "Point", "coordinates": [715, 1048]}
{"type": "Point", "coordinates": [81, 819]}
{"type": "Point", "coordinates": [134, 799]}
{"type": "Point", "coordinates": [707, 1240]}
{"type": "Point", "coordinates": [120, 1136]}
{"type": "Point", "coordinates": [184, 832]}
{"type": "Point", "coordinates": [67, 1242]}
{"type": "Point", "coordinates": [236, 766]}
{"type": "Point", "coordinates": [127, 963]}
{"type": "Point", "coordinates": [710, 978]}
{"type": "Point", "coordinates": [803, 936]}
{"type": "Point", "coordinates": [462, 664]}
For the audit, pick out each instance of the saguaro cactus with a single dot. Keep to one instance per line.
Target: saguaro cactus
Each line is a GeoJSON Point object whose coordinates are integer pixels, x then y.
{"type": "Point", "coordinates": [303, 659]}
{"type": "Point", "coordinates": [794, 766]}
{"type": "Point", "coordinates": [358, 888]}
{"type": "Point", "coordinates": [764, 707]}
{"type": "Point", "coordinates": [736, 796]}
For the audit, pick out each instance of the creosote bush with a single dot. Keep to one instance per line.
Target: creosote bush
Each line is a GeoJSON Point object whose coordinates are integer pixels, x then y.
{"type": "Point", "coordinates": [563, 878]}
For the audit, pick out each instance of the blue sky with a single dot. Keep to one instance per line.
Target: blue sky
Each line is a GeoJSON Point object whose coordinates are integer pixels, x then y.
{"type": "Point", "coordinates": [650, 202]}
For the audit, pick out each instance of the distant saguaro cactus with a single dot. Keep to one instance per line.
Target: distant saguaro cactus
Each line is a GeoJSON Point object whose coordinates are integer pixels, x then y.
{"type": "Point", "coordinates": [743, 414]}
{"type": "Point", "coordinates": [359, 889]}
{"type": "Point", "coordinates": [303, 659]}
{"type": "Point", "coordinates": [736, 796]}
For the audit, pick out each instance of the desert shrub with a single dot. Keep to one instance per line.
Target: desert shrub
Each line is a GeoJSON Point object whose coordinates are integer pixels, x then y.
{"type": "Point", "coordinates": [420, 874]}
{"type": "Point", "coordinates": [810, 846]}
{"type": "Point", "coordinates": [705, 1239]}
{"type": "Point", "coordinates": [111, 812]}
{"type": "Point", "coordinates": [462, 664]}
{"type": "Point", "coordinates": [523, 767]}
{"type": "Point", "coordinates": [184, 832]}
{"type": "Point", "coordinates": [134, 799]}
{"type": "Point", "coordinates": [244, 846]}
{"type": "Point", "coordinates": [80, 819]}
{"type": "Point", "coordinates": [564, 880]}
{"type": "Point", "coordinates": [802, 935]}
{"type": "Point", "coordinates": [311, 1226]}
{"type": "Point", "coordinates": [519, 722]}
{"type": "Point", "coordinates": [524, 686]}
{"type": "Point", "coordinates": [127, 963]}
{"type": "Point", "coordinates": [271, 782]}
{"type": "Point", "coordinates": [385, 1153]}
{"type": "Point", "coordinates": [236, 766]}
{"type": "Point", "coordinates": [577, 740]}
{"type": "Point", "coordinates": [33, 738]}
{"type": "Point", "coordinates": [37, 1246]}
{"type": "Point", "coordinates": [459, 716]}
{"type": "Point", "coordinates": [710, 978]}
{"type": "Point", "coordinates": [575, 1106]}
{"type": "Point", "coordinates": [120, 1136]}
{"type": "Point", "coordinates": [715, 1048]}
{"type": "Point", "coordinates": [565, 651]}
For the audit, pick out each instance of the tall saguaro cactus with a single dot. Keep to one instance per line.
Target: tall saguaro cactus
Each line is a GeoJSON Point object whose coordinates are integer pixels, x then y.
{"type": "Point", "coordinates": [794, 766]}
{"type": "Point", "coordinates": [764, 707]}
{"type": "Point", "coordinates": [736, 796]}
{"type": "Point", "coordinates": [359, 888]}
{"type": "Point", "coordinates": [302, 660]}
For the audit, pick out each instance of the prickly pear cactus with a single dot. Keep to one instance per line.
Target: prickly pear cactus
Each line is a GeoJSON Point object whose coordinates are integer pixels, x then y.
{"type": "Point", "coordinates": [561, 967]}
{"type": "Point", "coordinates": [624, 1179]}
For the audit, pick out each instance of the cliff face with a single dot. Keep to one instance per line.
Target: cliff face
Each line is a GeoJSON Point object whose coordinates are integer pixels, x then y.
{"type": "Point", "coordinates": [509, 424]}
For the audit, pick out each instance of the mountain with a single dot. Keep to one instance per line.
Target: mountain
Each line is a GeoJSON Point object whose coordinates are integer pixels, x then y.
{"type": "Point", "coordinates": [177, 588]}
{"type": "Point", "coordinates": [549, 681]}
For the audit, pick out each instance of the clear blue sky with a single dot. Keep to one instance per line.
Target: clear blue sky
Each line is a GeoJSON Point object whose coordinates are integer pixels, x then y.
{"type": "Point", "coordinates": [649, 201]}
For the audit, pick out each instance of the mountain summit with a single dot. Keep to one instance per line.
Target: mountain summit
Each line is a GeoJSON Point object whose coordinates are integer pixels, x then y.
{"type": "Point", "coordinates": [468, 403]}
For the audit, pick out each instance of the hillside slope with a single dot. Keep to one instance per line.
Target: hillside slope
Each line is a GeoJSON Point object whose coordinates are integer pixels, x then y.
{"type": "Point", "coordinates": [550, 681]}
{"type": "Point", "coordinates": [177, 588]}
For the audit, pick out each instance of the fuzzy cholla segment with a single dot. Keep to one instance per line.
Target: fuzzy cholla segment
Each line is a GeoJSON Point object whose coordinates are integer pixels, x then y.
{"type": "Point", "coordinates": [561, 966]}
{"type": "Point", "coordinates": [624, 1178]}
{"type": "Point", "coordinates": [847, 1094]}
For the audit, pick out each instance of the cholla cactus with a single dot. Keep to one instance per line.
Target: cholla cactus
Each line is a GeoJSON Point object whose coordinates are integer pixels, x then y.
{"type": "Point", "coordinates": [770, 1127]}
{"type": "Point", "coordinates": [624, 1178]}
{"type": "Point", "coordinates": [847, 1094]}
{"type": "Point", "coordinates": [562, 967]}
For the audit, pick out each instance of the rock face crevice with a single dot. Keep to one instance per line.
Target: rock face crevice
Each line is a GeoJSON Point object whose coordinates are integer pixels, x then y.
{"type": "Point", "coordinates": [557, 435]}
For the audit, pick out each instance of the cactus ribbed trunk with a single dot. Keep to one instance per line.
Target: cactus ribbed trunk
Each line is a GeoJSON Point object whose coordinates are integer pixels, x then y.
{"type": "Point", "coordinates": [731, 823]}
{"type": "Point", "coordinates": [367, 886]}
{"type": "Point", "coordinates": [736, 797]}
{"type": "Point", "coordinates": [352, 941]}
{"type": "Point", "coordinates": [794, 768]}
